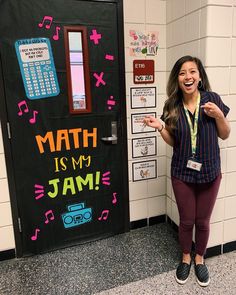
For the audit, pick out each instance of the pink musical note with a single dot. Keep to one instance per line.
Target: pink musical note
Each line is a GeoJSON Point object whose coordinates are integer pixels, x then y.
{"type": "Point", "coordinates": [35, 236]}
{"type": "Point", "coordinates": [22, 107]}
{"type": "Point", "coordinates": [45, 19]}
{"type": "Point", "coordinates": [56, 35]}
{"type": "Point", "coordinates": [49, 216]}
{"type": "Point", "coordinates": [114, 200]}
{"type": "Point", "coordinates": [104, 215]}
{"type": "Point", "coordinates": [33, 120]}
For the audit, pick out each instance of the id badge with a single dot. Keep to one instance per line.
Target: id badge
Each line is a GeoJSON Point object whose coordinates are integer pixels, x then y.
{"type": "Point", "coordinates": [193, 164]}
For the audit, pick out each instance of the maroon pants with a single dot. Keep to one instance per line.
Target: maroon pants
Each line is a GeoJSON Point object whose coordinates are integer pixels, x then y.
{"type": "Point", "coordinates": [195, 204]}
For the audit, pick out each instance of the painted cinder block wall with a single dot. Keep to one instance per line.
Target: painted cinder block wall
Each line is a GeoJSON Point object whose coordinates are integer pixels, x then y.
{"type": "Point", "coordinates": [147, 197]}
{"type": "Point", "coordinates": [207, 29]}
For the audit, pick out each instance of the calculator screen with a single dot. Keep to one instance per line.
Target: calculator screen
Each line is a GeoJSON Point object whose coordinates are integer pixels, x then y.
{"type": "Point", "coordinates": [34, 52]}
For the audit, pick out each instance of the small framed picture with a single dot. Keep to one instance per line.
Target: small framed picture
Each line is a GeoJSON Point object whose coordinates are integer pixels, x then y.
{"type": "Point", "coordinates": [137, 123]}
{"type": "Point", "coordinates": [144, 147]}
{"type": "Point", "coordinates": [144, 170]}
{"type": "Point", "coordinates": [143, 97]}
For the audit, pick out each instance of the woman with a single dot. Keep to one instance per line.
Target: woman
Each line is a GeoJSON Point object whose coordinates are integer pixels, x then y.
{"type": "Point", "coordinates": [194, 119]}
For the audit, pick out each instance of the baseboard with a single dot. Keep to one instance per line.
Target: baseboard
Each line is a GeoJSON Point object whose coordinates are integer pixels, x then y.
{"type": "Point", "coordinates": [8, 254]}
{"type": "Point", "coordinates": [229, 247]}
{"type": "Point", "coordinates": [138, 223]}
{"type": "Point", "coordinates": [147, 221]}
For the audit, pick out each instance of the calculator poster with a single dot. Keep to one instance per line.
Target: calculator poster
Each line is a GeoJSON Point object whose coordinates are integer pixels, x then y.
{"type": "Point", "coordinates": [37, 67]}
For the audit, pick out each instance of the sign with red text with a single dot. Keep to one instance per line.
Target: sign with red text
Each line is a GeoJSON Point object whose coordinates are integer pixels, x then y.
{"type": "Point", "coordinates": [143, 71]}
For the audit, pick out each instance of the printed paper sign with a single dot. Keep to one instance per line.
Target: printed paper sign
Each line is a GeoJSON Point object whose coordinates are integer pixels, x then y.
{"type": "Point", "coordinates": [144, 170]}
{"type": "Point", "coordinates": [143, 44]}
{"type": "Point", "coordinates": [37, 67]}
{"type": "Point", "coordinates": [144, 147]}
{"type": "Point", "coordinates": [143, 97]}
{"type": "Point", "coordinates": [137, 123]}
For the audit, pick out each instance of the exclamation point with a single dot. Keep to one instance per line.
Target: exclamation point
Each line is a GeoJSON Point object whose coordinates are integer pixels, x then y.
{"type": "Point", "coordinates": [97, 180]}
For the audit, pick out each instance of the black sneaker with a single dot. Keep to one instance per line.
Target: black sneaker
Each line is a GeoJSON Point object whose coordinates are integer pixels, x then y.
{"type": "Point", "coordinates": [202, 274]}
{"type": "Point", "coordinates": [182, 272]}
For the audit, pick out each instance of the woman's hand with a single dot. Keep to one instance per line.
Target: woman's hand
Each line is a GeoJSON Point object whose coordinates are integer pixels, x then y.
{"type": "Point", "coordinates": [222, 124]}
{"type": "Point", "coordinates": [152, 122]}
{"type": "Point", "coordinates": [155, 123]}
{"type": "Point", "coordinates": [212, 110]}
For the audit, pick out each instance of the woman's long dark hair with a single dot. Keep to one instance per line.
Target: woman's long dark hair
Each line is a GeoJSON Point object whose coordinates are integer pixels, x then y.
{"type": "Point", "coordinates": [174, 93]}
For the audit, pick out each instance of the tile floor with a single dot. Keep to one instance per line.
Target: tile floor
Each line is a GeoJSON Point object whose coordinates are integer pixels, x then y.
{"type": "Point", "coordinates": [142, 261]}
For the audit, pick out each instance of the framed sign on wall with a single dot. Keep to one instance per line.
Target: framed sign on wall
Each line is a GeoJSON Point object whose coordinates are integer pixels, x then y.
{"type": "Point", "coordinates": [137, 125]}
{"type": "Point", "coordinates": [144, 170]}
{"type": "Point", "coordinates": [144, 147]}
{"type": "Point", "coordinates": [143, 97]}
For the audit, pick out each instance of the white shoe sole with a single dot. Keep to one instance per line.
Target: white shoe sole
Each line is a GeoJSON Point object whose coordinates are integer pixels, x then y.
{"type": "Point", "coordinates": [180, 281]}
{"type": "Point", "coordinates": [203, 284]}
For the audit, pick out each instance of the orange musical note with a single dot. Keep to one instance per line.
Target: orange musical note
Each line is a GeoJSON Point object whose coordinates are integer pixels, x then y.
{"type": "Point", "coordinates": [22, 105]}
{"type": "Point", "coordinates": [104, 215]}
{"type": "Point", "coordinates": [114, 201]}
{"type": "Point", "coordinates": [33, 120]}
{"type": "Point", "coordinates": [56, 35]}
{"type": "Point", "coordinates": [35, 236]}
{"type": "Point", "coordinates": [46, 18]}
{"type": "Point", "coordinates": [49, 216]}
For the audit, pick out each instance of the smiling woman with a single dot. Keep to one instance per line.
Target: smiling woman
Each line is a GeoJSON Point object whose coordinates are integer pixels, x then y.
{"type": "Point", "coordinates": [194, 119]}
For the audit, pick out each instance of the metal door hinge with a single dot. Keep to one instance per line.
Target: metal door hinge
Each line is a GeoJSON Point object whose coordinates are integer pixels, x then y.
{"type": "Point", "coordinates": [8, 130]}
{"type": "Point", "coordinates": [19, 225]}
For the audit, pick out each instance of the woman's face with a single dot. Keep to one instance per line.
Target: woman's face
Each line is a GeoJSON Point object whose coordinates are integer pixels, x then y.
{"type": "Point", "coordinates": [189, 78]}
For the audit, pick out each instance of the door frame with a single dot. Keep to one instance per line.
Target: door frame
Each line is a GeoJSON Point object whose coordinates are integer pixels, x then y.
{"type": "Point", "coordinates": [5, 126]}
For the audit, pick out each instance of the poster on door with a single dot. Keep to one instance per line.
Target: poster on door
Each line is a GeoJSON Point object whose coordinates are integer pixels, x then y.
{"type": "Point", "coordinates": [37, 67]}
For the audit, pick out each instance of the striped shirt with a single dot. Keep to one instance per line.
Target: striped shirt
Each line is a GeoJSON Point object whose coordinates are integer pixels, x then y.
{"type": "Point", "coordinates": [207, 152]}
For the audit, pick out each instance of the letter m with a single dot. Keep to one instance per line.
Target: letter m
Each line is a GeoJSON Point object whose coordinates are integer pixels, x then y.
{"type": "Point", "coordinates": [48, 137]}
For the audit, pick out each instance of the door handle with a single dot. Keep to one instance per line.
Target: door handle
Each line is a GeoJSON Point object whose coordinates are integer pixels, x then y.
{"type": "Point", "coordinates": [113, 138]}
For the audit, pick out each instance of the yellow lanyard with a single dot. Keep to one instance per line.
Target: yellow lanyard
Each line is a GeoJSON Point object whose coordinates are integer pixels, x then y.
{"type": "Point", "coordinates": [193, 128]}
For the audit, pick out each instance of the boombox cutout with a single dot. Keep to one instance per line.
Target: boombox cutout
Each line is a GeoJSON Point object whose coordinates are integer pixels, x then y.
{"type": "Point", "coordinates": [77, 215]}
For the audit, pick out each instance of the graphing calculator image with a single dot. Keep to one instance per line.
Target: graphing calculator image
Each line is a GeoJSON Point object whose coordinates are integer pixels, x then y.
{"type": "Point", "coordinates": [37, 67]}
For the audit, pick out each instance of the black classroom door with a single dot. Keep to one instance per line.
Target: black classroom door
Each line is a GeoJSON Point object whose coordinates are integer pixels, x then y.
{"type": "Point", "coordinates": [68, 170]}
